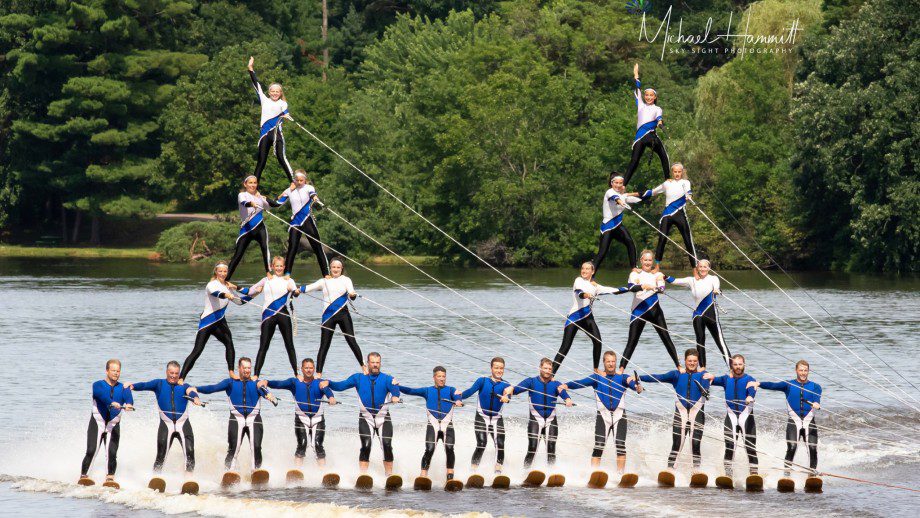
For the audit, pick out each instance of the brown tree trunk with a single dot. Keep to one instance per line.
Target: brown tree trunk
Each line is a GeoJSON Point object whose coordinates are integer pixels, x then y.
{"type": "Point", "coordinates": [325, 34]}
{"type": "Point", "coordinates": [63, 225]}
{"type": "Point", "coordinates": [76, 227]}
{"type": "Point", "coordinates": [94, 231]}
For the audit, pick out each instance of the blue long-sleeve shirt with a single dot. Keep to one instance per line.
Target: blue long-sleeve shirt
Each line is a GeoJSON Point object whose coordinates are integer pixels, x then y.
{"type": "Point", "coordinates": [244, 395]}
{"type": "Point", "coordinates": [170, 397]}
{"type": "Point", "coordinates": [735, 391]}
{"type": "Point", "coordinates": [799, 396]}
{"type": "Point", "coordinates": [438, 401]}
{"type": "Point", "coordinates": [104, 395]}
{"type": "Point", "coordinates": [543, 394]}
{"type": "Point", "coordinates": [307, 393]}
{"type": "Point", "coordinates": [608, 389]}
{"type": "Point", "coordinates": [372, 389]}
{"type": "Point", "coordinates": [490, 393]}
{"type": "Point", "coordinates": [686, 385]}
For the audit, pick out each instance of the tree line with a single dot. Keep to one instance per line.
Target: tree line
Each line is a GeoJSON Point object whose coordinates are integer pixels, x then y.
{"type": "Point", "coordinates": [498, 120]}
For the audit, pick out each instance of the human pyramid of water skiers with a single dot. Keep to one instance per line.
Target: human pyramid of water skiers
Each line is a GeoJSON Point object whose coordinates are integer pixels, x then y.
{"type": "Point", "coordinates": [246, 387]}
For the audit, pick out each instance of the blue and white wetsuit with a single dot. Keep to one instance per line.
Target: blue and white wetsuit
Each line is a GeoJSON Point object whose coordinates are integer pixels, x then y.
{"type": "Point", "coordinates": [104, 428]}
{"type": "Point", "coordinates": [676, 195]}
{"type": "Point", "coordinates": [174, 423]}
{"type": "Point", "coordinates": [252, 228]}
{"type": "Point", "coordinates": [440, 407]}
{"type": "Point", "coordinates": [212, 322]}
{"type": "Point", "coordinates": [646, 308]}
{"type": "Point", "coordinates": [542, 423]}
{"type": "Point", "coordinates": [337, 293]}
{"type": "Point", "coordinates": [245, 418]}
{"type": "Point", "coordinates": [739, 419]}
{"type": "Point", "coordinates": [275, 314]}
{"type": "Point", "coordinates": [609, 392]}
{"type": "Point", "coordinates": [689, 418]}
{"type": "Point", "coordinates": [612, 228]}
{"type": "Point", "coordinates": [303, 227]}
{"type": "Point", "coordinates": [801, 424]}
{"type": "Point", "coordinates": [581, 318]}
{"type": "Point", "coordinates": [309, 419]}
{"type": "Point", "coordinates": [648, 117]}
{"type": "Point", "coordinates": [374, 393]}
{"type": "Point", "coordinates": [270, 134]}
{"type": "Point", "coordinates": [488, 420]}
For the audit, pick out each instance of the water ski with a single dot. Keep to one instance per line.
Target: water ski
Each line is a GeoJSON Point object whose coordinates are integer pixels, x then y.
{"type": "Point", "coordinates": [475, 482]}
{"type": "Point", "coordinates": [393, 482]}
{"type": "Point", "coordinates": [230, 479]}
{"type": "Point", "coordinates": [294, 476]}
{"type": "Point", "coordinates": [259, 478]}
{"type": "Point", "coordinates": [453, 485]}
{"type": "Point", "coordinates": [631, 479]}
{"type": "Point", "coordinates": [112, 484]}
{"type": "Point", "coordinates": [814, 485]}
{"type": "Point", "coordinates": [753, 483]}
{"type": "Point", "coordinates": [331, 480]}
{"type": "Point", "coordinates": [556, 480]}
{"type": "Point", "coordinates": [534, 479]}
{"type": "Point", "coordinates": [364, 482]}
{"type": "Point", "coordinates": [157, 484]}
{"type": "Point", "coordinates": [190, 487]}
{"type": "Point", "coordinates": [666, 479]}
{"type": "Point", "coordinates": [86, 481]}
{"type": "Point", "coordinates": [785, 485]}
{"type": "Point", "coordinates": [422, 484]}
{"type": "Point", "coordinates": [724, 482]}
{"type": "Point", "coordinates": [699, 480]}
{"type": "Point", "coordinates": [501, 482]}
{"type": "Point", "coordinates": [598, 480]}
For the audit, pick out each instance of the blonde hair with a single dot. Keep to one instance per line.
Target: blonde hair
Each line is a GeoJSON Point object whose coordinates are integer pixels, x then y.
{"type": "Point", "coordinates": [283, 98]}
{"type": "Point", "coordinates": [246, 180]}
{"type": "Point", "coordinates": [277, 258]}
{"type": "Point", "coordinates": [682, 169]}
{"type": "Point", "coordinates": [216, 266]}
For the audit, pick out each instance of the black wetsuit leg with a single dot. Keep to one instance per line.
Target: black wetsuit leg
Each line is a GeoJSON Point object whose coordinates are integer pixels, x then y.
{"type": "Point", "coordinates": [264, 148]}
{"type": "Point", "coordinates": [729, 433]}
{"type": "Point", "coordinates": [318, 437]}
{"type": "Point", "coordinates": [603, 245]}
{"type": "Point", "coordinates": [664, 229]}
{"type": "Point", "coordinates": [232, 431]}
{"type": "Point", "coordinates": [343, 320]}
{"type": "Point", "coordinates": [113, 439]}
{"type": "Point", "coordinates": [482, 438]}
{"type": "Point", "coordinates": [679, 220]}
{"type": "Point", "coordinates": [649, 140]}
{"type": "Point", "coordinates": [386, 437]}
{"type": "Point", "coordinates": [812, 441]}
{"type": "Point", "coordinates": [697, 438]}
{"type": "Point", "coordinates": [699, 332]}
{"type": "Point", "coordinates": [623, 236]}
{"type": "Point", "coordinates": [281, 153]}
{"type": "Point", "coordinates": [283, 322]}
{"type": "Point", "coordinates": [620, 436]}
{"type": "Point", "coordinates": [449, 441]}
{"type": "Point", "coordinates": [677, 432]}
{"type": "Point", "coordinates": [551, 436]}
{"type": "Point", "coordinates": [600, 436]}
{"type": "Point", "coordinates": [431, 440]}
{"type": "Point", "coordinates": [533, 440]}
{"type": "Point", "coordinates": [750, 443]}
{"type": "Point", "coordinates": [366, 435]}
{"type": "Point", "coordinates": [500, 441]}
{"type": "Point", "coordinates": [259, 235]}
{"type": "Point", "coordinates": [163, 441]}
{"type": "Point", "coordinates": [632, 339]}
{"type": "Point", "coordinates": [658, 148]}
{"type": "Point", "coordinates": [654, 316]}
{"type": "Point", "coordinates": [300, 433]}
{"type": "Point", "coordinates": [308, 232]}
{"type": "Point", "coordinates": [710, 319]}
{"type": "Point", "coordinates": [256, 433]}
{"type": "Point", "coordinates": [219, 330]}
{"type": "Point", "coordinates": [792, 444]}
{"type": "Point", "coordinates": [189, 446]}
{"type": "Point", "coordinates": [92, 443]}
{"type": "Point", "coordinates": [589, 327]}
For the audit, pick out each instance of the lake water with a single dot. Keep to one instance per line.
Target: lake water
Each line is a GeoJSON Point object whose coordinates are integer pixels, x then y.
{"type": "Point", "coordinates": [60, 321]}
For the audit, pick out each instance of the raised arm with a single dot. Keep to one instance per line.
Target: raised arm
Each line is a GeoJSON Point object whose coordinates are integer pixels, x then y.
{"type": "Point", "coordinates": [339, 386]}
{"type": "Point", "coordinates": [287, 384]}
{"type": "Point", "coordinates": [418, 392]}
{"type": "Point", "coordinates": [223, 386]}
{"type": "Point", "coordinates": [679, 281]}
{"type": "Point", "coordinates": [477, 386]}
{"type": "Point", "coordinates": [522, 386]}
{"type": "Point", "coordinates": [668, 377]}
{"type": "Point", "coordinates": [254, 79]}
{"type": "Point", "coordinates": [314, 286]}
{"type": "Point", "coordinates": [582, 383]}
{"type": "Point", "coordinates": [778, 386]}
{"type": "Point", "coordinates": [145, 386]}
{"type": "Point", "coordinates": [638, 84]}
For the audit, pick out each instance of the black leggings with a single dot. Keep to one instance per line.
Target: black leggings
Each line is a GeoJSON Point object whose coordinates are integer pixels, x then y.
{"type": "Point", "coordinates": [431, 440]}
{"type": "Point", "coordinates": [281, 320]}
{"type": "Point", "coordinates": [219, 330]}
{"type": "Point", "coordinates": [655, 317]}
{"type": "Point", "coordinates": [303, 438]}
{"type": "Point", "coordinates": [710, 320]}
{"type": "Point", "coordinates": [649, 140]}
{"type": "Point", "coordinates": [750, 443]}
{"type": "Point", "coordinates": [809, 436]}
{"type": "Point", "coordinates": [601, 431]}
{"type": "Point", "coordinates": [385, 432]}
{"type": "Point", "coordinates": [589, 327]}
{"type": "Point", "coordinates": [482, 432]}
{"type": "Point", "coordinates": [165, 440]}
{"type": "Point", "coordinates": [679, 429]}
{"type": "Point", "coordinates": [679, 220]}
{"type": "Point", "coordinates": [343, 320]}
{"type": "Point", "coordinates": [295, 240]}
{"type": "Point", "coordinates": [620, 234]}
{"type": "Point", "coordinates": [272, 139]}
{"type": "Point", "coordinates": [533, 440]}
{"type": "Point", "coordinates": [259, 235]}
{"type": "Point", "coordinates": [94, 439]}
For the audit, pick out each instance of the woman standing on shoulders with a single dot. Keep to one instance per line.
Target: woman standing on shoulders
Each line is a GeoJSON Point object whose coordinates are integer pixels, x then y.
{"type": "Point", "coordinates": [677, 193]}
{"type": "Point", "coordinates": [337, 292]}
{"type": "Point", "coordinates": [645, 287]}
{"type": "Point", "coordinates": [274, 108]}
{"type": "Point", "coordinates": [649, 119]}
{"type": "Point", "coordinates": [302, 196]}
{"type": "Point", "coordinates": [275, 313]}
{"type": "Point", "coordinates": [704, 287]}
{"type": "Point", "coordinates": [580, 318]}
{"type": "Point", "coordinates": [218, 295]}
{"type": "Point", "coordinates": [252, 225]}
{"type": "Point", "coordinates": [616, 201]}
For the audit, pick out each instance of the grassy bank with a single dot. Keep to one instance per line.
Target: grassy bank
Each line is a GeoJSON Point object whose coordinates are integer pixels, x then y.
{"type": "Point", "coordinates": [80, 253]}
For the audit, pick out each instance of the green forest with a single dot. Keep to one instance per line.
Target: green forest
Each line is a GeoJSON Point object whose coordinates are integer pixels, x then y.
{"type": "Point", "coordinates": [500, 121]}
